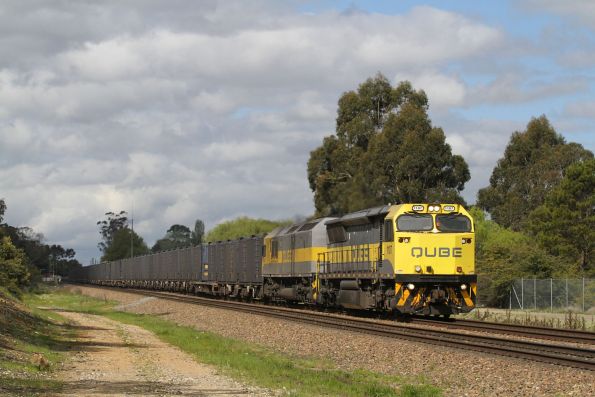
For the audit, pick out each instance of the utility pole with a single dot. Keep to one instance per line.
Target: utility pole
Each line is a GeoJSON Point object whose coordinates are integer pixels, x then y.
{"type": "Point", "coordinates": [132, 232]}
{"type": "Point", "coordinates": [52, 267]}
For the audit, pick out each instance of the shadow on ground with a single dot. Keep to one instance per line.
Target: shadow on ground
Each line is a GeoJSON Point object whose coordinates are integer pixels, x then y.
{"type": "Point", "coordinates": [10, 386]}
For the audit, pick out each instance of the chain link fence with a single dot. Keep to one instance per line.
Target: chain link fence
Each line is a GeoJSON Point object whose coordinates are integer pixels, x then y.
{"type": "Point", "coordinates": [577, 295]}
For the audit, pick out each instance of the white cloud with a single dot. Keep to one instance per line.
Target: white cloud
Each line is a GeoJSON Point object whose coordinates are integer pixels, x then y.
{"type": "Point", "coordinates": [311, 106]}
{"type": "Point", "coordinates": [16, 135]}
{"type": "Point", "coordinates": [239, 151]}
{"type": "Point", "coordinates": [581, 109]}
{"type": "Point", "coordinates": [208, 109]}
{"type": "Point", "coordinates": [510, 87]}
{"type": "Point", "coordinates": [107, 60]}
{"type": "Point", "coordinates": [481, 143]}
{"type": "Point", "coordinates": [442, 90]}
{"type": "Point", "coordinates": [217, 102]}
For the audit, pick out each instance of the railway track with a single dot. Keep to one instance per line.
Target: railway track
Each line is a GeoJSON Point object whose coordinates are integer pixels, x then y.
{"type": "Point", "coordinates": [559, 335]}
{"type": "Point", "coordinates": [570, 356]}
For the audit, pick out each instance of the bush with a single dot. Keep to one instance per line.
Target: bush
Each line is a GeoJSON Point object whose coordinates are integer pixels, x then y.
{"type": "Point", "coordinates": [242, 227]}
{"type": "Point", "coordinates": [14, 273]}
{"type": "Point", "coordinates": [503, 255]}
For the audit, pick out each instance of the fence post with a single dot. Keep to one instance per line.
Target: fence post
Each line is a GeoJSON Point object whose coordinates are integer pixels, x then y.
{"type": "Point", "coordinates": [510, 298]}
{"type": "Point", "coordinates": [551, 295]}
{"type": "Point", "coordinates": [535, 293]}
{"type": "Point", "coordinates": [522, 294]}
{"type": "Point", "coordinates": [583, 294]}
{"type": "Point", "coordinates": [567, 294]}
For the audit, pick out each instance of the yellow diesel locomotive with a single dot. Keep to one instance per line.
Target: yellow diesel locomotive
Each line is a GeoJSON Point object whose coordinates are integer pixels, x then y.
{"type": "Point", "coordinates": [406, 258]}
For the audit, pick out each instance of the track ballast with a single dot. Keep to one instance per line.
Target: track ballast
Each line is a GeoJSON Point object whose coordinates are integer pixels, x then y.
{"type": "Point", "coordinates": [569, 356]}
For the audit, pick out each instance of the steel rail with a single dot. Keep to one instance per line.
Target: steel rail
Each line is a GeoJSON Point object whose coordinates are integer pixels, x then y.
{"type": "Point", "coordinates": [569, 356]}
{"type": "Point", "coordinates": [555, 334]}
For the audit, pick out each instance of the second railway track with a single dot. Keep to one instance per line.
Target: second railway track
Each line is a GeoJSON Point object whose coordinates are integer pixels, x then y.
{"type": "Point", "coordinates": [570, 356]}
{"type": "Point", "coordinates": [554, 334]}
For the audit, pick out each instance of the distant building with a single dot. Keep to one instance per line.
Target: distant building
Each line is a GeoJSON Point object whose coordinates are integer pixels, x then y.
{"type": "Point", "coordinates": [54, 279]}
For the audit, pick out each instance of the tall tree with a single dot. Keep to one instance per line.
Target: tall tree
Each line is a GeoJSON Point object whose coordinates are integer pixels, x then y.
{"type": "Point", "coordinates": [2, 209]}
{"type": "Point", "coordinates": [410, 161]}
{"type": "Point", "coordinates": [565, 223]}
{"type": "Point", "coordinates": [177, 236]}
{"type": "Point", "coordinates": [109, 226]}
{"type": "Point", "coordinates": [534, 162]}
{"type": "Point", "coordinates": [198, 232]}
{"type": "Point", "coordinates": [385, 150]}
{"type": "Point", "coordinates": [62, 260]}
{"type": "Point", "coordinates": [124, 243]}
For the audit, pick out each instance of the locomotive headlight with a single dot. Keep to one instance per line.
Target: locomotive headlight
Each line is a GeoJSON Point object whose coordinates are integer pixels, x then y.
{"type": "Point", "coordinates": [434, 208]}
{"type": "Point", "coordinates": [418, 268]}
{"type": "Point", "coordinates": [463, 287]}
{"type": "Point", "coordinates": [410, 286]}
{"type": "Point", "coordinates": [465, 241]}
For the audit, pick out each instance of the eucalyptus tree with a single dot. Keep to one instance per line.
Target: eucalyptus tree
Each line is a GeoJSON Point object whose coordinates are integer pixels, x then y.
{"type": "Point", "coordinates": [533, 164]}
{"type": "Point", "coordinates": [385, 149]}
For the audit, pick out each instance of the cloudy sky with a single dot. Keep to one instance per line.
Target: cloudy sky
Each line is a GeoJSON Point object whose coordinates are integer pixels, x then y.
{"type": "Point", "coordinates": [209, 109]}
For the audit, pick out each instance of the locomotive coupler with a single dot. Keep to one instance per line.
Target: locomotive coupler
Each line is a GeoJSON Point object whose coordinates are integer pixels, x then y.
{"type": "Point", "coordinates": [437, 296]}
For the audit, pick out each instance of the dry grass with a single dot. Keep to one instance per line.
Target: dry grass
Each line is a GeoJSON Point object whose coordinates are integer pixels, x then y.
{"type": "Point", "coordinates": [565, 320]}
{"type": "Point", "coordinates": [32, 344]}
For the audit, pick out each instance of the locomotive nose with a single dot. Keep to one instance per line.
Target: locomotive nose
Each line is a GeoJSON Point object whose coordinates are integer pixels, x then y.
{"type": "Point", "coordinates": [440, 253]}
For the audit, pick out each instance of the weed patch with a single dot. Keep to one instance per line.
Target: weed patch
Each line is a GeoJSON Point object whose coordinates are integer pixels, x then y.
{"type": "Point", "coordinates": [563, 320]}
{"type": "Point", "coordinates": [32, 344]}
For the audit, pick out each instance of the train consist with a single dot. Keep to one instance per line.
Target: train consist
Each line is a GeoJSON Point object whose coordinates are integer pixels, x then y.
{"type": "Point", "coordinates": [406, 258]}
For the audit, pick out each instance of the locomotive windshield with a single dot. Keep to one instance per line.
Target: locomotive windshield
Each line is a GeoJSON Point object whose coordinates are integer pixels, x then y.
{"type": "Point", "coordinates": [453, 223]}
{"type": "Point", "coordinates": [415, 223]}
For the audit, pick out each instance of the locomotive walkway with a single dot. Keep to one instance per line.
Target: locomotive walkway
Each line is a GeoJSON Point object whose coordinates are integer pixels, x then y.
{"type": "Point", "coordinates": [565, 355]}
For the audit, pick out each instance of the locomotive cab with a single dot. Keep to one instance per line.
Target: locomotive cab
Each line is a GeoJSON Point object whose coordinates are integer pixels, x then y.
{"type": "Point", "coordinates": [432, 250]}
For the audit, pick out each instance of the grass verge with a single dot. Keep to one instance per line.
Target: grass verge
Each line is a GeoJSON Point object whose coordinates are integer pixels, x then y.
{"type": "Point", "coordinates": [251, 363]}
{"type": "Point", "coordinates": [32, 344]}
{"type": "Point", "coordinates": [562, 320]}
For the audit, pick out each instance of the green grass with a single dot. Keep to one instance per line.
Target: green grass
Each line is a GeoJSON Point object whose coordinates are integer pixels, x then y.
{"type": "Point", "coordinates": [23, 335]}
{"type": "Point", "coordinates": [18, 386]}
{"type": "Point", "coordinates": [251, 363]}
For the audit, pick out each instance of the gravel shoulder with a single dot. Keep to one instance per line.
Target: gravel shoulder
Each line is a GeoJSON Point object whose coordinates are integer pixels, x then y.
{"type": "Point", "coordinates": [115, 359]}
{"type": "Point", "coordinates": [458, 372]}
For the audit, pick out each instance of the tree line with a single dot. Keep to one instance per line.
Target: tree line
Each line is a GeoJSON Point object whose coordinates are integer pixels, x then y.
{"type": "Point", "coordinates": [119, 241]}
{"type": "Point", "coordinates": [25, 257]}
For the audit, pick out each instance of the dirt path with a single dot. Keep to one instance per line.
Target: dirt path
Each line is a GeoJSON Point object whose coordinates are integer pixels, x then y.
{"type": "Point", "coordinates": [116, 359]}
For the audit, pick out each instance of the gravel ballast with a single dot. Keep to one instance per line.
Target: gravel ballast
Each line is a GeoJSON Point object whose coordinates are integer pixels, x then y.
{"type": "Point", "coordinates": [458, 372]}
